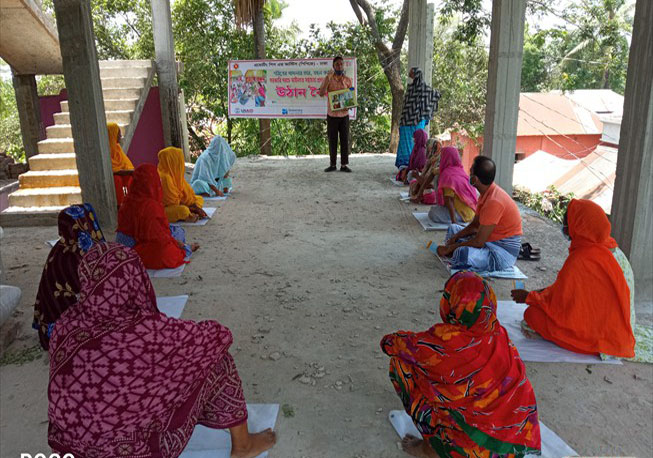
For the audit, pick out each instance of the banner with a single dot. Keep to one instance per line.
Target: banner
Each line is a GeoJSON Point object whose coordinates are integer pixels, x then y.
{"type": "Point", "coordinates": [286, 88]}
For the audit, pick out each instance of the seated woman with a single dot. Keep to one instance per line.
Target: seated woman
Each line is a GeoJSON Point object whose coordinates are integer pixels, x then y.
{"type": "Point", "coordinates": [59, 286]}
{"type": "Point", "coordinates": [211, 174]}
{"type": "Point", "coordinates": [462, 382]}
{"type": "Point", "coordinates": [166, 375]}
{"type": "Point", "coordinates": [588, 308]}
{"type": "Point", "coordinates": [143, 225]}
{"type": "Point", "coordinates": [179, 199]}
{"type": "Point", "coordinates": [455, 199]}
{"type": "Point", "coordinates": [120, 164]}
{"type": "Point", "coordinates": [422, 185]}
{"type": "Point", "coordinates": [417, 156]}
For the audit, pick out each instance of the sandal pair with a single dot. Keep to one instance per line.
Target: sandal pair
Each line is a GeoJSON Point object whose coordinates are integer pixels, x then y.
{"type": "Point", "coordinates": [528, 253]}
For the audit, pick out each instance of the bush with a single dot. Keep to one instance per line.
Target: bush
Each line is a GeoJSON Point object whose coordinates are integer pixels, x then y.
{"type": "Point", "coordinates": [550, 203]}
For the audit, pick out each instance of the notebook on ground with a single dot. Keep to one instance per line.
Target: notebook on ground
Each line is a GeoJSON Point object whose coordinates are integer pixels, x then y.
{"type": "Point", "coordinates": [427, 224]}
{"type": "Point", "coordinates": [216, 443]}
{"type": "Point", "coordinates": [209, 213]}
{"type": "Point", "coordinates": [173, 306]}
{"type": "Point", "coordinates": [514, 273]}
{"type": "Point", "coordinates": [552, 445]}
{"type": "Point", "coordinates": [510, 315]}
{"type": "Point", "coordinates": [395, 182]}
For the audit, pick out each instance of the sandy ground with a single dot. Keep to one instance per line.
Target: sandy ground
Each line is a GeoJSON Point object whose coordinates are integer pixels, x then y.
{"type": "Point", "coordinates": [309, 271]}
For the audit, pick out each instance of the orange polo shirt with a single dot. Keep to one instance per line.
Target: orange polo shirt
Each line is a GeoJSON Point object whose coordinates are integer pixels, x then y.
{"type": "Point", "coordinates": [497, 208]}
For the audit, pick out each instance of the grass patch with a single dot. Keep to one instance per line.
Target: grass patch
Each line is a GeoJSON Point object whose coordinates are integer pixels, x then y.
{"type": "Point", "coordinates": [20, 357]}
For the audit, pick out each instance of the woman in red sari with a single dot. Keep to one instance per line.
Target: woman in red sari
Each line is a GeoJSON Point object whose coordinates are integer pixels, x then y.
{"type": "Point", "coordinates": [128, 381]}
{"type": "Point", "coordinates": [143, 219]}
{"type": "Point", "coordinates": [463, 382]}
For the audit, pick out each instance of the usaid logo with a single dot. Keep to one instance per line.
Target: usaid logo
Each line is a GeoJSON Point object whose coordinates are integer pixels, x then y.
{"type": "Point", "coordinates": [43, 455]}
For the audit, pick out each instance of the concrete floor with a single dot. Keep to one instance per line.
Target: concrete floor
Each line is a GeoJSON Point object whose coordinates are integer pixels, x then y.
{"type": "Point", "coordinates": [318, 268]}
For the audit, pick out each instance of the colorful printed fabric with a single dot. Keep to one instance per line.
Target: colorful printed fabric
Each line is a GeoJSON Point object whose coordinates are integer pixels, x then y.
{"type": "Point", "coordinates": [587, 309]}
{"type": "Point", "coordinates": [420, 101]}
{"type": "Point", "coordinates": [212, 166]}
{"type": "Point", "coordinates": [143, 218]}
{"type": "Point", "coordinates": [493, 256]}
{"type": "Point", "coordinates": [406, 143]}
{"type": "Point", "coordinates": [454, 177]}
{"type": "Point", "coordinates": [78, 231]}
{"type": "Point", "coordinates": [177, 193]}
{"type": "Point", "coordinates": [463, 382]}
{"type": "Point", "coordinates": [128, 381]}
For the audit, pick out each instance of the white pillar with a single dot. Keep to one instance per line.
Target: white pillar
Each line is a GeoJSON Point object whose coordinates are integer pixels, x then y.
{"type": "Point", "coordinates": [504, 80]}
{"type": "Point", "coordinates": [166, 67]}
{"type": "Point", "coordinates": [632, 207]}
{"type": "Point", "coordinates": [86, 105]}
{"type": "Point", "coordinates": [418, 41]}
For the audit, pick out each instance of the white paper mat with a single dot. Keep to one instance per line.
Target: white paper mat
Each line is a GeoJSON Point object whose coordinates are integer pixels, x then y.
{"type": "Point", "coordinates": [209, 213]}
{"type": "Point", "coordinates": [52, 243]}
{"type": "Point", "coordinates": [216, 198]}
{"type": "Point", "coordinates": [395, 182]}
{"type": "Point", "coordinates": [514, 273]}
{"type": "Point", "coordinates": [404, 195]}
{"type": "Point", "coordinates": [429, 225]}
{"type": "Point", "coordinates": [166, 273]}
{"type": "Point", "coordinates": [216, 443]}
{"type": "Point", "coordinates": [510, 315]}
{"type": "Point", "coordinates": [173, 306]}
{"type": "Point", "coordinates": [552, 445]}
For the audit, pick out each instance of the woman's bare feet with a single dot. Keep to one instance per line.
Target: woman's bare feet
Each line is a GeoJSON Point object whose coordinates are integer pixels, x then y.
{"type": "Point", "coordinates": [255, 444]}
{"type": "Point", "coordinates": [417, 447]}
{"type": "Point", "coordinates": [194, 247]}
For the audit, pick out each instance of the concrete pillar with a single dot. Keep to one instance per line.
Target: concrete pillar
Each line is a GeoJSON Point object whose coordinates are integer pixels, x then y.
{"type": "Point", "coordinates": [503, 83]}
{"type": "Point", "coordinates": [29, 112]}
{"type": "Point", "coordinates": [418, 38]}
{"type": "Point", "coordinates": [632, 211]}
{"type": "Point", "coordinates": [184, 126]}
{"type": "Point", "coordinates": [86, 105]}
{"type": "Point", "coordinates": [166, 67]}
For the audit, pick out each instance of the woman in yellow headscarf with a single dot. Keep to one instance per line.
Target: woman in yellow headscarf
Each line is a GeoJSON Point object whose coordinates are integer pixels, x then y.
{"type": "Point", "coordinates": [120, 164]}
{"type": "Point", "coordinates": [179, 199]}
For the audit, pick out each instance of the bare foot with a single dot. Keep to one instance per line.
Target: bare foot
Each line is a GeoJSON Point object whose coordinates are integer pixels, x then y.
{"type": "Point", "coordinates": [194, 247]}
{"type": "Point", "coordinates": [417, 447]}
{"type": "Point", "coordinates": [257, 444]}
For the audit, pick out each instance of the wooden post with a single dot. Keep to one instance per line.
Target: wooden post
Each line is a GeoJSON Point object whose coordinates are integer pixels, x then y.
{"type": "Point", "coordinates": [632, 213]}
{"type": "Point", "coordinates": [166, 67]}
{"type": "Point", "coordinates": [503, 84]}
{"type": "Point", "coordinates": [86, 105]}
{"type": "Point", "coordinates": [29, 112]}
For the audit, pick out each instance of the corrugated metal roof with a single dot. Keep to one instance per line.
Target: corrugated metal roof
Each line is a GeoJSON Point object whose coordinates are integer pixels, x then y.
{"type": "Point", "coordinates": [599, 101]}
{"type": "Point", "coordinates": [554, 113]}
{"type": "Point", "coordinates": [540, 170]}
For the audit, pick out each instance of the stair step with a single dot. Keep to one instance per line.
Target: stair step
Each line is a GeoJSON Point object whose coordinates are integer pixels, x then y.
{"type": "Point", "coordinates": [117, 116]}
{"type": "Point", "coordinates": [125, 72]}
{"type": "Point", "coordinates": [123, 63]}
{"type": "Point", "coordinates": [49, 179]}
{"type": "Point", "coordinates": [36, 198]}
{"type": "Point", "coordinates": [118, 83]}
{"type": "Point", "coordinates": [109, 104]}
{"type": "Point", "coordinates": [65, 130]}
{"type": "Point", "coordinates": [60, 161]}
{"type": "Point", "coordinates": [56, 146]}
{"type": "Point", "coordinates": [30, 216]}
{"type": "Point", "coordinates": [122, 93]}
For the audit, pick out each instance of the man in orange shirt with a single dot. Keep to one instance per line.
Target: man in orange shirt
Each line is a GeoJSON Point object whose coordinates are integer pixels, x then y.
{"type": "Point", "coordinates": [492, 240]}
{"type": "Point", "coordinates": [337, 120]}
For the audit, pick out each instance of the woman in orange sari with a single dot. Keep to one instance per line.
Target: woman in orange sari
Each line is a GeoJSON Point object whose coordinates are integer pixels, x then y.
{"type": "Point", "coordinates": [462, 381]}
{"type": "Point", "coordinates": [587, 309]}
{"type": "Point", "coordinates": [180, 201]}
{"type": "Point", "coordinates": [120, 164]}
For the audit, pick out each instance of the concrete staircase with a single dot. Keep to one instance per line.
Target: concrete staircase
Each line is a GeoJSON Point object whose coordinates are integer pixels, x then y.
{"type": "Point", "coordinates": [52, 182]}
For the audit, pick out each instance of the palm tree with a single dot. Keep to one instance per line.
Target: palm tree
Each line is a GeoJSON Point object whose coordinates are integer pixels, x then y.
{"type": "Point", "coordinates": [251, 12]}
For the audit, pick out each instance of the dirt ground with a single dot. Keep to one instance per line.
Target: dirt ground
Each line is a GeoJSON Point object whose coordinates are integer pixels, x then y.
{"type": "Point", "coordinates": [310, 270]}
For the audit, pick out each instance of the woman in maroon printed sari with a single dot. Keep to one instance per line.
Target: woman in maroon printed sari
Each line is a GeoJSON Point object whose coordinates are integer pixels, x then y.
{"type": "Point", "coordinates": [128, 381]}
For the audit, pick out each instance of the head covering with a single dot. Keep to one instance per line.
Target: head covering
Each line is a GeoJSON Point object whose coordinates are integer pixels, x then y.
{"type": "Point", "coordinates": [420, 101]}
{"type": "Point", "coordinates": [119, 160]}
{"type": "Point", "coordinates": [418, 155]}
{"type": "Point", "coordinates": [469, 372]}
{"type": "Point", "coordinates": [142, 217]}
{"type": "Point", "coordinates": [214, 163]}
{"type": "Point", "coordinates": [176, 191]}
{"type": "Point", "coordinates": [453, 176]}
{"type": "Point", "coordinates": [124, 378]}
{"type": "Point", "coordinates": [78, 231]}
{"type": "Point", "coordinates": [587, 309]}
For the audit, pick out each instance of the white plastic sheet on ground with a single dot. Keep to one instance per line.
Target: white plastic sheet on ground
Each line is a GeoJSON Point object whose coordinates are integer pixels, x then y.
{"type": "Point", "coordinates": [173, 306]}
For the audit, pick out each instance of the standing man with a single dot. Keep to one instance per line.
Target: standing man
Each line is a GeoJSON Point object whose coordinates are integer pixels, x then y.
{"type": "Point", "coordinates": [337, 120]}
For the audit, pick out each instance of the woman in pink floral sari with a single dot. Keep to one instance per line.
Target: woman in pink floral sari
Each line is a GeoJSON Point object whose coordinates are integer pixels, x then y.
{"type": "Point", "coordinates": [128, 381]}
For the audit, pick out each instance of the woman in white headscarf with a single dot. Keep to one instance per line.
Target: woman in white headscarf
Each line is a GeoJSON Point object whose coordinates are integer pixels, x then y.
{"type": "Point", "coordinates": [211, 174]}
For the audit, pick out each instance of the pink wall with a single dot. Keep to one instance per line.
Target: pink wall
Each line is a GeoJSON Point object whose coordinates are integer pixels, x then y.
{"type": "Point", "coordinates": [49, 105]}
{"type": "Point", "coordinates": [148, 138]}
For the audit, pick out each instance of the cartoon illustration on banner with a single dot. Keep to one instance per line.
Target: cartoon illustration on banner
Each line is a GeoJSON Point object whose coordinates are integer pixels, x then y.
{"type": "Point", "coordinates": [283, 88]}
